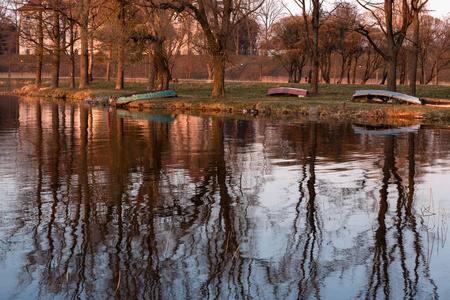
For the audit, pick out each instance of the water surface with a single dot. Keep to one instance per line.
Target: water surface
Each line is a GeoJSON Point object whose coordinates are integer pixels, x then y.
{"type": "Point", "coordinates": [102, 203]}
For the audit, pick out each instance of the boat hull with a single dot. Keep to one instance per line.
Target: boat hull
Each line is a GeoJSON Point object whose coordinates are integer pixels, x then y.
{"type": "Point", "coordinates": [145, 96]}
{"type": "Point", "coordinates": [286, 91]}
{"type": "Point", "coordinates": [385, 96]}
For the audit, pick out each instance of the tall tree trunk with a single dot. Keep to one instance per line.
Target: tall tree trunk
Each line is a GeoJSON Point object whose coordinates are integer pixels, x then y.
{"type": "Point", "coordinates": [300, 70]}
{"type": "Point", "coordinates": [151, 72]}
{"type": "Point", "coordinates": [436, 82]}
{"type": "Point", "coordinates": [315, 50]}
{"type": "Point", "coordinates": [108, 65]}
{"type": "Point", "coordinates": [219, 75]}
{"type": "Point", "coordinates": [210, 70]}
{"type": "Point", "coordinates": [84, 51]}
{"type": "Point", "coordinates": [422, 70]}
{"type": "Point", "coordinates": [355, 67]}
{"type": "Point", "coordinates": [120, 70]}
{"type": "Point", "coordinates": [414, 54]}
{"type": "Point", "coordinates": [72, 55]}
{"type": "Point", "coordinates": [91, 58]}
{"type": "Point", "coordinates": [349, 67]}
{"type": "Point", "coordinates": [39, 51]}
{"type": "Point", "coordinates": [162, 68]}
{"type": "Point", "coordinates": [56, 56]}
{"type": "Point", "coordinates": [290, 73]}
{"type": "Point", "coordinates": [121, 50]}
{"type": "Point", "coordinates": [385, 75]}
{"type": "Point", "coordinates": [343, 67]}
{"type": "Point", "coordinates": [391, 78]}
{"type": "Point", "coordinates": [402, 72]}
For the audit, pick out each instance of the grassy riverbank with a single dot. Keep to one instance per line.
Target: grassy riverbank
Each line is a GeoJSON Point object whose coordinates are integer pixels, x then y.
{"type": "Point", "coordinates": [331, 102]}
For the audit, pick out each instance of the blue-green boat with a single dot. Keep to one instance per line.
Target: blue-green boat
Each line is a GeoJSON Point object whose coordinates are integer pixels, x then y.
{"type": "Point", "coordinates": [145, 96]}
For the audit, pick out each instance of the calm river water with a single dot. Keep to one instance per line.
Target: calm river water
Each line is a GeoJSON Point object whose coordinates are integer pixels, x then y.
{"type": "Point", "coordinates": [98, 203]}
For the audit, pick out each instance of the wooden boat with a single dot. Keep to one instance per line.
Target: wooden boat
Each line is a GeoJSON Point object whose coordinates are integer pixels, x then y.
{"type": "Point", "coordinates": [385, 96]}
{"type": "Point", "coordinates": [287, 91]}
{"type": "Point", "coordinates": [145, 96]}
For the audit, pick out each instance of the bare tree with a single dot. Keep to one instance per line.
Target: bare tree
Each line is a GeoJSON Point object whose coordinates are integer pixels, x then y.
{"type": "Point", "coordinates": [426, 38]}
{"type": "Point", "coordinates": [164, 33]}
{"type": "Point", "coordinates": [217, 20]}
{"type": "Point", "coordinates": [416, 7]}
{"type": "Point", "coordinates": [31, 32]}
{"type": "Point", "coordinates": [292, 51]}
{"type": "Point", "coordinates": [374, 61]}
{"type": "Point", "coordinates": [311, 11]}
{"type": "Point", "coordinates": [393, 22]}
{"type": "Point", "coordinates": [56, 31]}
{"type": "Point", "coordinates": [439, 53]}
{"type": "Point", "coordinates": [83, 21]}
{"type": "Point", "coordinates": [269, 13]}
{"type": "Point", "coordinates": [328, 39]}
{"type": "Point", "coordinates": [349, 44]}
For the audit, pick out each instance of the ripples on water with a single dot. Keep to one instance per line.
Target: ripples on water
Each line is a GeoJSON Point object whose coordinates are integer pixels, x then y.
{"type": "Point", "coordinates": [97, 203]}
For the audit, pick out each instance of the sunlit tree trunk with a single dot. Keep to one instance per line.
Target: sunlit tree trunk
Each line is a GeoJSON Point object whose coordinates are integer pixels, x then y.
{"type": "Point", "coordinates": [414, 56]}
{"type": "Point", "coordinates": [108, 66]}
{"type": "Point", "coordinates": [84, 51]}
{"type": "Point", "coordinates": [91, 58]}
{"type": "Point", "coordinates": [56, 55]}
{"type": "Point", "coordinates": [219, 76]}
{"type": "Point", "coordinates": [391, 61]}
{"type": "Point", "coordinates": [315, 44]}
{"type": "Point", "coordinates": [162, 68]}
{"type": "Point", "coordinates": [72, 55]}
{"type": "Point", "coordinates": [151, 72]}
{"type": "Point", "coordinates": [120, 70]}
{"type": "Point", "coordinates": [39, 51]}
{"type": "Point", "coordinates": [120, 48]}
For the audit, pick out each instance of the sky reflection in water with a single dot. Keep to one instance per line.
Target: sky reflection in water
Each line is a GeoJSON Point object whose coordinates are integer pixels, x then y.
{"type": "Point", "coordinates": [180, 206]}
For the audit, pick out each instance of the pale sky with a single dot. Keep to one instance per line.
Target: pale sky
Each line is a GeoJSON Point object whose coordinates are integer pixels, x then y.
{"type": "Point", "coordinates": [437, 8]}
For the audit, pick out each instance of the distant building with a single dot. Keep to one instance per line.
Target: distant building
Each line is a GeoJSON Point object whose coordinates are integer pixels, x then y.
{"type": "Point", "coordinates": [28, 27]}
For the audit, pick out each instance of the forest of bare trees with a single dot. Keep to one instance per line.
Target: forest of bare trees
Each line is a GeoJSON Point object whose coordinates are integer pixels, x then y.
{"type": "Point", "coordinates": [399, 42]}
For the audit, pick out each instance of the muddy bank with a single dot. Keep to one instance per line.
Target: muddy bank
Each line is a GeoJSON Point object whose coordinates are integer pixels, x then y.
{"type": "Point", "coordinates": [279, 107]}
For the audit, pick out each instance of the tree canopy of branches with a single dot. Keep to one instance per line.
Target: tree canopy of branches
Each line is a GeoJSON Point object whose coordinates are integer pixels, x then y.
{"type": "Point", "coordinates": [268, 14]}
{"type": "Point", "coordinates": [162, 40]}
{"type": "Point", "coordinates": [311, 12]}
{"type": "Point", "coordinates": [217, 20]}
{"type": "Point", "coordinates": [289, 33]}
{"type": "Point", "coordinates": [245, 37]}
{"type": "Point", "coordinates": [393, 20]}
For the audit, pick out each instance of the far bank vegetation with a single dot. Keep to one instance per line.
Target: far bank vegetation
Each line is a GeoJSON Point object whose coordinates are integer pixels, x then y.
{"type": "Point", "coordinates": [162, 41]}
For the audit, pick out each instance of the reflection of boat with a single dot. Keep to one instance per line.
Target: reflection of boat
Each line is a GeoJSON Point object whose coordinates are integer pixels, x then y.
{"type": "Point", "coordinates": [145, 116]}
{"type": "Point", "coordinates": [383, 130]}
{"type": "Point", "coordinates": [145, 95]}
{"type": "Point", "coordinates": [287, 91]}
{"type": "Point", "coordinates": [385, 96]}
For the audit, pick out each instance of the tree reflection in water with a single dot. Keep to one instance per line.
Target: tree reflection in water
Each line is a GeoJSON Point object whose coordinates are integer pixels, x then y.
{"type": "Point", "coordinates": [402, 234]}
{"type": "Point", "coordinates": [212, 208]}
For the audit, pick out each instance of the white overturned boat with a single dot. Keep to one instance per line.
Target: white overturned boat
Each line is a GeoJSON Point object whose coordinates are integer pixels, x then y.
{"type": "Point", "coordinates": [385, 96]}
